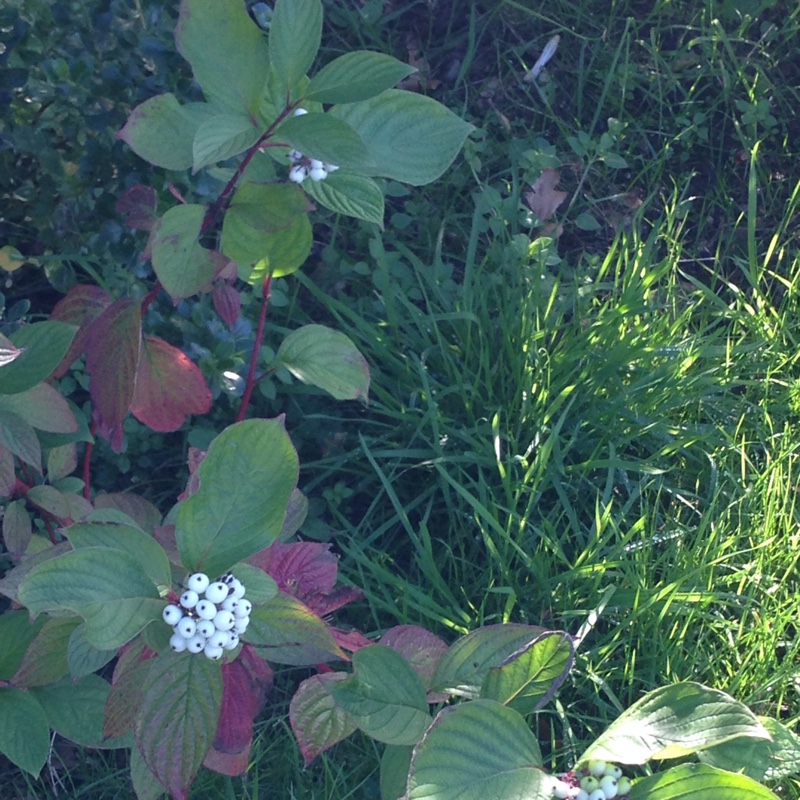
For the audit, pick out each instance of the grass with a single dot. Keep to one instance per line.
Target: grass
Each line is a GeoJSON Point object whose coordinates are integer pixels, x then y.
{"type": "Point", "coordinates": [596, 432]}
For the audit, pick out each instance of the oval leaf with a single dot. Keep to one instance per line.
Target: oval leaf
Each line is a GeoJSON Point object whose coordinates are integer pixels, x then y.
{"type": "Point", "coordinates": [384, 697]}
{"type": "Point", "coordinates": [356, 76]}
{"type": "Point", "coordinates": [326, 358]}
{"type": "Point", "coordinates": [43, 345]}
{"type": "Point", "coordinates": [231, 516]}
{"type": "Point", "coordinates": [177, 717]}
{"type": "Point", "coordinates": [294, 36]}
{"type": "Point", "coordinates": [42, 407]}
{"type": "Point", "coordinates": [410, 138]}
{"type": "Point", "coordinates": [672, 722]}
{"type": "Point", "coordinates": [476, 751]}
{"type": "Point", "coordinates": [699, 782]}
{"type": "Point", "coordinates": [221, 137]}
{"type": "Point", "coordinates": [347, 193]}
{"type": "Point", "coordinates": [327, 138]}
{"type": "Point", "coordinates": [24, 732]}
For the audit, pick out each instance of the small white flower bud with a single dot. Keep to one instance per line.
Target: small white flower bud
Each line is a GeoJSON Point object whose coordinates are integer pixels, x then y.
{"type": "Point", "coordinates": [298, 174]}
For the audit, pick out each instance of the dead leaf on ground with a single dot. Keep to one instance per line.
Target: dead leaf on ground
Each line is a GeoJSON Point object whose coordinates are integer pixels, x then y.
{"type": "Point", "coordinates": [543, 198]}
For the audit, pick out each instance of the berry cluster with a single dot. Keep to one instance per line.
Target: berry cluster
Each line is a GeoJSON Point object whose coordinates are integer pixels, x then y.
{"type": "Point", "coordinates": [597, 780]}
{"type": "Point", "coordinates": [303, 167]}
{"type": "Point", "coordinates": [211, 616]}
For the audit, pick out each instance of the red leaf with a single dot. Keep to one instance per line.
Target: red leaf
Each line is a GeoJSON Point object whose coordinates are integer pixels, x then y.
{"type": "Point", "coordinates": [137, 205]}
{"type": "Point", "coordinates": [227, 302]}
{"type": "Point", "coordinates": [243, 695]}
{"type": "Point", "coordinates": [232, 764]}
{"type": "Point", "coordinates": [169, 387]}
{"type": "Point", "coordinates": [112, 355]}
{"type": "Point", "coordinates": [350, 640]}
{"type": "Point", "coordinates": [543, 198]}
{"type": "Point", "coordinates": [194, 460]}
{"type": "Point", "coordinates": [322, 604]}
{"type": "Point", "coordinates": [301, 569]}
{"type": "Point", "coordinates": [165, 536]}
{"type": "Point", "coordinates": [80, 306]}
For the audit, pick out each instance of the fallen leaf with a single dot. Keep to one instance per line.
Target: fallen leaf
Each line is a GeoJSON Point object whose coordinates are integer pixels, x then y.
{"type": "Point", "coordinates": [543, 198]}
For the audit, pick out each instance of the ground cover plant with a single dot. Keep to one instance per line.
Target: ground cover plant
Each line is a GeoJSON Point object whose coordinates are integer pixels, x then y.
{"type": "Point", "coordinates": [583, 364]}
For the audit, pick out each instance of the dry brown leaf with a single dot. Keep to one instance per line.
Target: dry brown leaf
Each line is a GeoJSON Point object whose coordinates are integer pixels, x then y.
{"type": "Point", "coordinates": [543, 198]}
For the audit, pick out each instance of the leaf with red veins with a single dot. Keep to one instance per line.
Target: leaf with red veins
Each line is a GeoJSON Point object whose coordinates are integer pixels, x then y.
{"type": "Point", "coordinates": [80, 306]}
{"type": "Point", "coordinates": [327, 603]}
{"type": "Point", "coordinates": [113, 342]}
{"type": "Point", "coordinates": [421, 648]}
{"type": "Point", "coordinates": [301, 569]}
{"type": "Point", "coordinates": [227, 302]}
{"type": "Point", "coordinates": [137, 206]}
{"type": "Point", "coordinates": [169, 387]}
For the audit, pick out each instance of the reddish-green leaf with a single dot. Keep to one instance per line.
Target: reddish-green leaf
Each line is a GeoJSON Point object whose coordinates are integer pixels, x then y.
{"type": "Point", "coordinates": [45, 660]}
{"type": "Point", "coordinates": [62, 461]}
{"type": "Point", "coordinates": [130, 675]}
{"type": "Point", "coordinates": [112, 356]}
{"type": "Point", "coordinates": [42, 407]}
{"type": "Point", "coordinates": [7, 477]}
{"type": "Point", "coordinates": [16, 528]}
{"type": "Point", "coordinates": [317, 721]}
{"type": "Point", "coordinates": [62, 505]}
{"type": "Point", "coordinates": [227, 302]}
{"type": "Point", "coordinates": [20, 439]}
{"type": "Point", "coordinates": [81, 306]}
{"type": "Point", "coordinates": [137, 205]}
{"type": "Point", "coordinates": [421, 648]}
{"type": "Point", "coordinates": [169, 387]}
{"type": "Point", "coordinates": [140, 510]}
{"type": "Point", "coordinates": [177, 717]}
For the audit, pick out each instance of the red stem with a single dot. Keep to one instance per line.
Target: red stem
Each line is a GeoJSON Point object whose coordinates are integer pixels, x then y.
{"type": "Point", "coordinates": [251, 373]}
{"type": "Point", "coordinates": [87, 462]}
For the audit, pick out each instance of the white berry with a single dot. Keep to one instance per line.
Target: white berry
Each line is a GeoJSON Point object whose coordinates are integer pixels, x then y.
{"type": "Point", "coordinates": [597, 768]}
{"type": "Point", "coordinates": [561, 789]}
{"type": "Point", "coordinates": [233, 641]}
{"type": "Point", "coordinates": [240, 625]}
{"type": "Point", "coordinates": [597, 794]}
{"type": "Point", "coordinates": [195, 644]}
{"type": "Point", "coordinates": [318, 173]}
{"type": "Point", "coordinates": [189, 599]}
{"type": "Point", "coordinates": [172, 614]}
{"type": "Point", "coordinates": [614, 771]}
{"type": "Point", "coordinates": [609, 786]}
{"type": "Point", "coordinates": [198, 582]}
{"type": "Point", "coordinates": [582, 795]}
{"type": "Point", "coordinates": [589, 783]}
{"type": "Point", "coordinates": [177, 642]}
{"type": "Point", "coordinates": [217, 592]}
{"type": "Point", "coordinates": [205, 609]}
{"type": "Point", "coordinates": [214, 653]}
{"type": "Point", "coordinates": [224, 620]}
{"type": "Point", "coordinates": [298, 112]}
{"type": "Point", "coordinates": [243, 609]}
{"type": "Point", "coordinates": [206, 628]}
{"type": "Point", "coordinates": [219, 639]}
{"type": "Point", "coordinates": [238, 589]}
{"type": "Point", "coordinates": [623, 786]}
{"type": "Point", "coordinates": [298, 174]}
{"type": "Point", "coordinates": [229, 604]}
{"type": "Point", "coordinates": [187, 627]}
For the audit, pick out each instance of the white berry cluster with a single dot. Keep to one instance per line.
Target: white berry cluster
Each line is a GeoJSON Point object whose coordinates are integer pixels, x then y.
{"type": "Point", "coordinates": [303, 167]}
{"type": "Point", "coordinates": [597, 780]}
{"type": "Point", "coordinates": [211, 616]}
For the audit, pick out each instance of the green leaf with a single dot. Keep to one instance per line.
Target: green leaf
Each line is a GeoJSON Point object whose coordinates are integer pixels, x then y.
{"type": "Point", "coordinates": [348, 193]}
{"type": "Point", "coordinates": [161, 130]}
{"type": "Point", "coordinates": [45, 660]}
{"type": "Point", "coordinates": [269, 224]}
{"type": "Point", "coordinates": [227, 52]}
{"type": "Point", "coordinates": [286, 631]}
{"type": "Point", "coordinates": [177, 717]}
{"type": "Point", "coordinates": [294, 37]}
{"type": "Point", "coordinates": [44, 345]}
{"type": "Point", "coordinates": [140, 546]}
{"type": "Point", "coordinates": [759, 759]}
{"type": "Point", "coordinates": [221, 137]}
{"type": "Point", "coordinates": [410, 138]}
{"type": "Point", "coordinates": [181, 264]}
{"type": "Point", "coordinates": [83, 658]}
{"type": "Point", "coordinates": [62, 505]}
{"type": "Point", "coordinates": [586, 222]}
{"type": "Point", "coordinates": [614, 161]}
{"type": "Point", "coordinates": [384, 697]}
{"type": "Point", "coordinates": [530, 677]}
{"type": "Point", "coordinates": [699, 782]}
{"type": "Point", "coordinates": [462, 669]}
{"type": "Point", "coordinates": [356, 76]}
{"type": "Point", "coordinates": [475, 751]}
{"type": "Point", "coordinates": [395, 764]}
{"type": "Point", "coordinates": [17, 530]}
{"type": "Point", "coordinates": [261, 588]}
{"type": "Point", "coordinates": [24, 732]}
{"type": "Point", "coordinates": [328, 139]}
{"type": "Point", "coordinates": [326, 358]}
{"type": "Point", "coordinates": [76, 710]}
{"type": "Point", "coordinates": [246, 480]}
{"type": "Point", "coordinates": [106, 587]}
{"type": "Point", "coordinates": [672, 722]}
{"type": "Point", "coordinates": [145, 784]}
{"type": "Point", "coordinates": [16, 633]}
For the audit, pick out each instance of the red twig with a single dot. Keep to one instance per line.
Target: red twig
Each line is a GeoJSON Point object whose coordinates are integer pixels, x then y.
{"type": "Point", "coordinates": [87, 463]}
{"type": "Point", "coordinates": [251, 372]}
